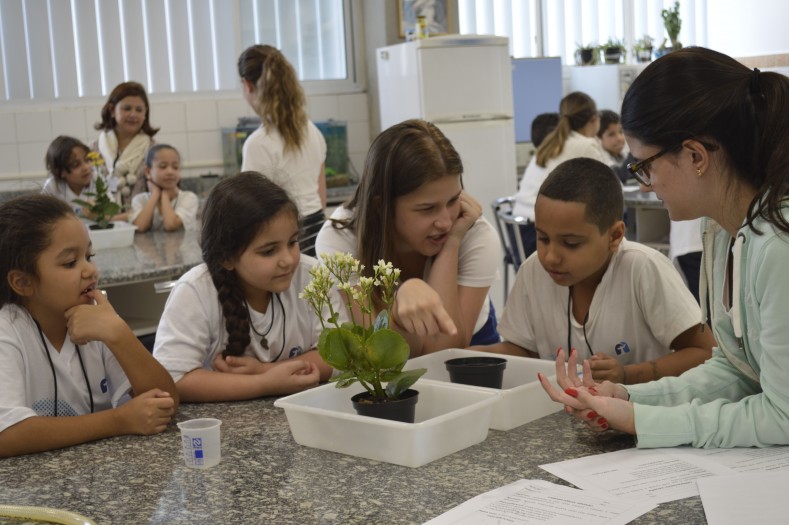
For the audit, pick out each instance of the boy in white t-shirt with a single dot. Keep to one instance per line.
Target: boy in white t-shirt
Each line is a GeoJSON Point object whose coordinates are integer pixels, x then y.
{"type": "Point", "coordinates": [619, 303]}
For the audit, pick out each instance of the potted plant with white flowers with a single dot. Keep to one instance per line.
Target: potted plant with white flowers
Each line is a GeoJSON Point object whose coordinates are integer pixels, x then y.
{"type": "Point", "coordinates": [364, 350]}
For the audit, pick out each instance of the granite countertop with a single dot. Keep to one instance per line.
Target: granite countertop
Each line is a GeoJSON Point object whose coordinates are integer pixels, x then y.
{"type": "Point", "coordinates": [265, 477]}
{"type": "Point", "coordinates": [154, 255]}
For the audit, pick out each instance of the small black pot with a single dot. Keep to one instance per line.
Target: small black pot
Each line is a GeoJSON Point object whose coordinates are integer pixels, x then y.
{"type": "Point", "coordinates": [97, 227]}
{"type": "Point", "coordinates": [477, 371]}
{"type": "Point", "coordinates": [403, 409]}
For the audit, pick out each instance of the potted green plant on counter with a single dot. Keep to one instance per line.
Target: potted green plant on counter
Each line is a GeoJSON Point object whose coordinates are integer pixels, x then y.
{"type": "Point", "coordinates": [673, 24]}
{"type": "Point", "coordinates": [613, 51]}
{"type": "Point", "coordinates": [364, 350]}
{"type": "Point", "coordinates": [587, 55]}
{"type": "Point", "coordinates": [643, 49]}
{"type": "Point", "coordinates": [102, 208]}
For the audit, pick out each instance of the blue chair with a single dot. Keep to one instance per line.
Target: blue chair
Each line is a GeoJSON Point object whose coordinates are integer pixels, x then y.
{"type": "Point", "coordinates": [511, 230]}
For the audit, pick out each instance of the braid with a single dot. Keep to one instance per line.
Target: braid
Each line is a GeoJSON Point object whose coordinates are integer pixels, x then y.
{"type": "Point", "coordinates": [234, 311]}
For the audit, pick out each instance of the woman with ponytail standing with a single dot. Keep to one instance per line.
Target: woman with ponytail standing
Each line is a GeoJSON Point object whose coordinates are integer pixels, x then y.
{"type": "Point", "coordinates": [575, 136]}
{"type": "Point", "coordinates": [287, 148]}
{"type": "Point", "coordinates": [710, 139]}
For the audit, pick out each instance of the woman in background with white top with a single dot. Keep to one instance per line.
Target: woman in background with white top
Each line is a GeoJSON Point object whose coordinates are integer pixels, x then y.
{"type": "Point", "coordinates": [287, 148]}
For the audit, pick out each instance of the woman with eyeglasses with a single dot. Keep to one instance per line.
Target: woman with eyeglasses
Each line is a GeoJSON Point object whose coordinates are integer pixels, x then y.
{"type": "Point", "coordinates": [711, 140]}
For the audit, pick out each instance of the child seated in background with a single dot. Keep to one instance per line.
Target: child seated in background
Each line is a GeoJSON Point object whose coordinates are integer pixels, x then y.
{"type": "Point", "coordinates": [612, 142]}
{"type": "Point", "coordinates": [164, 205]}
{"type": "Point", "coordinates": [618, 303]}
{"type": "Point", "coordinates": [70, 172]}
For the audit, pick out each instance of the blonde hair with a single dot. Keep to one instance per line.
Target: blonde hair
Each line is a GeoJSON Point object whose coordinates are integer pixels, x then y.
{"type": "Point", "coordinates": [575, 111]}
{"type": "Point", "coordinates": [280, 100]}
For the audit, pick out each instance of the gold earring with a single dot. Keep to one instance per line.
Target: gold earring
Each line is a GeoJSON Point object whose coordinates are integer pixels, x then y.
{"type": "Point", "coordinates": [699, 173]}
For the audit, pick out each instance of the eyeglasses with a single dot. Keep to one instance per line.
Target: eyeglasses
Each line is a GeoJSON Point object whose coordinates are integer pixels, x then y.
{"type": "Point", "coordinates": [640, 170]}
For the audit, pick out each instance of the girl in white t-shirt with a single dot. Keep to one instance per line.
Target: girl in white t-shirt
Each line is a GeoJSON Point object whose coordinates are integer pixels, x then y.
{"type": "Point", "coordinates": [164, 206]}
{"type": "Point", "coordinates": [63, 349]}
{"type": "Point", "coordinates": [70, 173]}
{"type": "Point", "coordinates": [410, 209]}
{"type": "Point", "coordinates": [234, 327]}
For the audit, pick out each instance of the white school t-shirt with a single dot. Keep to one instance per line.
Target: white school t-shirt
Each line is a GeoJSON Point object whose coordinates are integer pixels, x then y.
{"type": "Point", "coordinates": [478, 259]}
{"type": "Point", "coordinates": [640, 306]}
{"type": "Point", "coordinates": [192, 330]}
{"type": "Point", "coordinates": [27, 387]}
{"type": "Point", "coordinates": [185, 205]}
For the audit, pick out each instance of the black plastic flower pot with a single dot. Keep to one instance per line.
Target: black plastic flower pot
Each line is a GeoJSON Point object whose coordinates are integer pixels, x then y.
{"type": "Point", "coordinates": [477, 371]}
{"type": "Point", "coordinates": [402, 409]}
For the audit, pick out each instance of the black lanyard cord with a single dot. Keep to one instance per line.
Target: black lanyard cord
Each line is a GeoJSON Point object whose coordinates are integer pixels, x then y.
{"type": "Point", "coordinates": [569, 325]}
{"type": "Point", "coordinates": [54, 374]}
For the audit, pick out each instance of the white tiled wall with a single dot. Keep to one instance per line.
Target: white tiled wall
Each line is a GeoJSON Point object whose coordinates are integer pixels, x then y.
{"type": "Point", "coordinates": [191, 124]}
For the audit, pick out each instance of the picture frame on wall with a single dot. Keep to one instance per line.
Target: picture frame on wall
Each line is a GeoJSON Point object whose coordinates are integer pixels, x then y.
{"type": "Point", "coordinates": [436, 13]}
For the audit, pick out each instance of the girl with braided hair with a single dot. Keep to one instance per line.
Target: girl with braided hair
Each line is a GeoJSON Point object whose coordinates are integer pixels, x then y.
{"type": "Point", "coordinates": [287, 147]}
{"type": "Point", "coordinates": [234, 327]}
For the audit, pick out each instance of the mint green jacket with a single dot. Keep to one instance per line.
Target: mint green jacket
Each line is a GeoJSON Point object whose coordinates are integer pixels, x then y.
{"type": "Point", "coordinates": [740, 396]}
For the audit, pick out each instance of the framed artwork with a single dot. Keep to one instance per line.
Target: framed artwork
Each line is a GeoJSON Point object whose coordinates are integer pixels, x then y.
{"type": "Point", "coordinates": [436, 13]}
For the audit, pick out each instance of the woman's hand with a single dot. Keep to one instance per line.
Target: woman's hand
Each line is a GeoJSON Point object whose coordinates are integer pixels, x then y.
{"type": "Point", "coordinates": [470, 211]}
{"type": "Point", "coordinates": [418, 310]}
{"type": "Point", "coordinates": [600, 405]}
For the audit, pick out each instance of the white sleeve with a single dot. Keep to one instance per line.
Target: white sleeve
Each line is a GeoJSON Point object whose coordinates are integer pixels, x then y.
{"type": "Point", "coordinates": [138, 203]}
{"type": "Point", "coordinates": [332, 240]}
{"type": "Point", "coordinates": [256, 157]}
{"type": "Point", "coordinates": [515, 324]}
{"type": "Point", "coordinates": [480, 256]}
{"type": "Point", "coordinates": [186, 209]}
{"type": "Point", "coordinates": [183, 339]}
{"type": "Point", "coordinates": [14, 405]}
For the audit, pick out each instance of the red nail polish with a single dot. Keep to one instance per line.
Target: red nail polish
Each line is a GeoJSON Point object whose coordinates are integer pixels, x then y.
{"type": "Point", "coordinates": [604, 427]}
{"type": "Point", "coordinates": [593, 390]}
{"type": "Point", "coordinates": [570, 391]}
{"type": "Point", "coordinates": [602, 421]}
{"type": "Point", "coordinates": [558, 350]}
{"type": "Point", "coordinates": [592, 414]}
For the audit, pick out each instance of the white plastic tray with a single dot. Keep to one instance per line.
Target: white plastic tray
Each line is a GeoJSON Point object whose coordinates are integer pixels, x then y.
{"type": "Point", "coordinates": [122, 234]}
{"type": "Point", "coordinates": [448, 418]}
{"type": "Point", "coordinates": [522, 397]}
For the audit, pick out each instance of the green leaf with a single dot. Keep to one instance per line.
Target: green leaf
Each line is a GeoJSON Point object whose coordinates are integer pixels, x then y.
{"type": "Point", "coordinates": [339, 347]}
{"type": "Point", "coordinates": [403, 382]}
{"type": "Point", "coordinates": [345, 383]}
{"type": "Point", "coordinates": [386, 349]}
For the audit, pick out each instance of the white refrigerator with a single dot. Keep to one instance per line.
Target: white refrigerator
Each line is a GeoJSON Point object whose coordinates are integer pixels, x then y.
{"type": "Point", "coordinates": [462, 84]}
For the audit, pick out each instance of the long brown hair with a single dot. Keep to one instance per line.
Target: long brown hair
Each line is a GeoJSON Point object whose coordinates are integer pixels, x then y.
{"type": "Point", "coordinates": [280, 100]}
{"type": "Point", "coordinates": [575, 111]}
{"type": "Point", "coordinates": [235, 211]}
{"type": "Point", "coordinates": [401, 159]}
{"type": "Point", "coordinates": [121, 91]}
{"type": "Point", "coordinates": [700, 93]}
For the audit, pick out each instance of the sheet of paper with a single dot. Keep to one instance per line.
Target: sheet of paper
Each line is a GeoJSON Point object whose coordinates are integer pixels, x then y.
{"type": "Point", "coordinates": [540, 502]}
{"type": "Point", "coordinates": [656, 475]}
{"type": "Point", "coordinates": [745, 498]}
{"type": "Point", "coordinates": [742, 459]}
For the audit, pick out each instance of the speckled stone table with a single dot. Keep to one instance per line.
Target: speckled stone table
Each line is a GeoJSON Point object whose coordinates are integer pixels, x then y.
{"type": "Point", "coordinates": [265, 477]}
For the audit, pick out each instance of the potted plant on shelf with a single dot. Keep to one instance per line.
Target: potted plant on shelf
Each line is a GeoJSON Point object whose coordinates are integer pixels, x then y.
{"type": "Point", "coordinates": [587, 55]}
{"type": "Point", "coordinates": [364, 350]}
{"type": "Point", "coordinates": [643, 49]}
{"type": "Point", "coordinates": [673, 23]}
{"type": "Point", "coordinates": [613, 51]}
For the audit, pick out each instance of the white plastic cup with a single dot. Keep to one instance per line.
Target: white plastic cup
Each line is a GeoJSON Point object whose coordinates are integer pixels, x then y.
{"type": "Point", "coordinates": [201, 442]}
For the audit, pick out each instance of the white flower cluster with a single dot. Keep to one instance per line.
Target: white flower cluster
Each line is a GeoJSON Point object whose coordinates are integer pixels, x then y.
{"type": "Point", "coordinates": [343, 271]}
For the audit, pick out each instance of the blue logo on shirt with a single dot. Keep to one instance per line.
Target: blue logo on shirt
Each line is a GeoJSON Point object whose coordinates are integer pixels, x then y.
{"type": "Point", "coordinates": [103, 385]}
{"type": "Point", "coordinates": [622, 347]}
{"type": "Point", "coordinates": [296, 350]}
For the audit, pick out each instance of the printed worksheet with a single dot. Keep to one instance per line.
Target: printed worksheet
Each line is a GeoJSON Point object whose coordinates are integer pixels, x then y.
{"type": "Point", "coordinates": [527, 502]}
